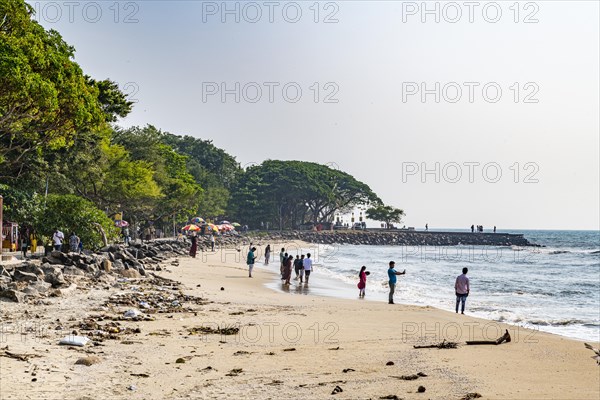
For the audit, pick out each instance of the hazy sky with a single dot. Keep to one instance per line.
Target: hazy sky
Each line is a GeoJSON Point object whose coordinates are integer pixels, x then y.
{"type": "Point", "coordinates": [489, 115]}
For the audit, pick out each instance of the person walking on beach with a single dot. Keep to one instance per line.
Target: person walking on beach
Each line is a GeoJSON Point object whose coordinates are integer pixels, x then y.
{"type": "Point", "coordinates": [194, 246]}
{"type": "Point", "coordinates": [362, 284]}
{"type": "Point", "coordinates": [267, 254]}
{"type": "Point", "coordinates": [461, 286]}
{"type": "Point", "coordinates": [212, 242]}
{"type": "Point", "coordinates": [57, 239]}
{"type": "Point", "coordinates": [281, 258]}
{"type": "Point", "coordinates": [297, 265]}
{"type": "Point", "coordinates": [307, 264]}
{"type": "Point", "coordinates": [392, 273]}
{"type": "Point", "coordinates": [74, 243]}
{"type": "Point", "coordinates": [250, 261]}
{"type": "Point", "coordinates": [287, 269]}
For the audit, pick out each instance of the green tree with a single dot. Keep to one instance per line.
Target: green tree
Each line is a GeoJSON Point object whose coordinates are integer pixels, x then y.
{"type": "Point", "coordinates": [387, 214]}
{"type": "Point", "coordinates": [289, 193]}
{"type": "Point", "coordinates": [45, 99]}
{"type": "Point", "coordinates": [71, 213]}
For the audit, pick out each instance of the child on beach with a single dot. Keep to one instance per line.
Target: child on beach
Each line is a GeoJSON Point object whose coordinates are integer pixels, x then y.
{"type": "Point", "coordinates": [362, 284]}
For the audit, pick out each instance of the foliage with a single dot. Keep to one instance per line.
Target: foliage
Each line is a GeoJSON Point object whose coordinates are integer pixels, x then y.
{"type": "Point", "coordinates": [387, 214]}
{"type": "Point", "coordinates": [20, 206]}
{"type": "Point", "coordinates": [71, 213]}
{"type": "Point", "coordinates": [45, 100]}
{"type": "Point", "coordinates": [290, 193]}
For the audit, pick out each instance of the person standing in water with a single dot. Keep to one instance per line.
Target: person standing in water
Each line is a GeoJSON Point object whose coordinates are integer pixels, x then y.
{"type": "Point", "coordinates": [307, 264]}
{"type": "Point", "coordinates": [462, 288]}
{"type": "Point", "coordinates": [362, 284]}
{"type": "Point", "coordinates": [392, 273]}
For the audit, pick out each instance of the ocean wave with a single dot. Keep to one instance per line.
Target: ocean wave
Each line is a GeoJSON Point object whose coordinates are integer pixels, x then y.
{"type": "Point", "coordinates": [560, 322]}
{"type": "Point", "coordinates": [559, 252]}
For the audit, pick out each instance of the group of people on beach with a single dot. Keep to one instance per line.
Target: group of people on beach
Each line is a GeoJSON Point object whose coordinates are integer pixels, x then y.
{"type": "Point", "coordinates": [461, 285]}
{"type": "Point", "coordinates": [302, 265]}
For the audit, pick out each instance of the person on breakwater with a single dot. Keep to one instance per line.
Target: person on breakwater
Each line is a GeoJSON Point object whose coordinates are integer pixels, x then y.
{"type": "Point", "coordinates": [472, 228]}
{"type": "Point", "coordinates": [267, 254]}
{"type": "Point", "coordinates": [57, 239]}
{"type": "Point", "coordinates": [250, 261]}
{"type": "Point", "coordinates": [74, 243]}
{"type": "Point", "coordinates": [307, 264]}
{"type": "Point", "coordinates": [461, 287]}
{"type": "Point", "coordinates": [362, 284]}
{"type": "Point", "coordinates": [392, 273]}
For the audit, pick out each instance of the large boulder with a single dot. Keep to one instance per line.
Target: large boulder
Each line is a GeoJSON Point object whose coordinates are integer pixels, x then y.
{"type": "Point", "coordinates": [69, 270]}
{"type": "Point", "coordinates": [12, 295]}
{"type": "Point", "coordinates": [21, 276]}
{"type": "Point", "coordinates": [55, 277]}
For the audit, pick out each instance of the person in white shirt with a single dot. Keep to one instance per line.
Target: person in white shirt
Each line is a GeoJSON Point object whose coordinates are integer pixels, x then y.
{"type": "Point", "coordinates": [57, 239]}
{"type": "Point", "coordinates": [307, 263]}
{"type": "Point", "coordinates": [462, 289]}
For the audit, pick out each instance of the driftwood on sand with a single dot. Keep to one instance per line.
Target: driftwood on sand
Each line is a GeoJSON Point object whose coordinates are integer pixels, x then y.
{"type": "Point", "coordinates": [442, 345]}
{"type": "Point", "coordinates": [500, 340]}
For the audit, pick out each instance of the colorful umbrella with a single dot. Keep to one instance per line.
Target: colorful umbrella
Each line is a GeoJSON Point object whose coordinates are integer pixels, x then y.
{"type": "Point", "coordinates": [191, 228]}
{"type": "Point", "coordinates": [213, 227]}
{"type": "Point", "coordinates": [236, 224]}
{"type": "Point", "coordinates": [121, 223]}
{"type": "Point", "coordinates": [225, 223]}
{"type": "Point", "coordinates": [226, 227]}
{"type": "Point", "coordinates": [197, 220]}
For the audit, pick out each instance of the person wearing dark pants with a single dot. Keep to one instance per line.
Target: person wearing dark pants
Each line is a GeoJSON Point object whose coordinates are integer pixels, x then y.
{"type": "Point", "coordinates": [461, 287]}
{"type": "Point", "coordinates": [392, 273]}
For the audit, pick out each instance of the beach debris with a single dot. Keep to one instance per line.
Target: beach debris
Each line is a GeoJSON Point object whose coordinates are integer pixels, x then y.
{"type": "Point", "coordinates": [180, 360]}
{"type": "Point", "coordinates": [88, 361]}
{"type": "Point", "coordinates": [334, 348]}
{"type": "Point", "coordinates": [241, 353]}
{"type": "Point", "coordinates": [141, 375]}
{"type": "Point", "coordinates": [389, 363]}
{"type": "Point", "coordinates": [441, 345]}
{"type": "Point", "coordinates": [348, 370]}
{"type": "Point", "coordinates": [390, 397]}
{"type": "Point", "coordinates": [406, 377]}
{"type": "Point", "coordinates": [73, 340]}
{"type": "Point", "coordinates": [271, 353]}
{"type": "Point", "coordinates": [597, 356]}
{"type": "Point", "coordinates": [500, 340]}
{"type": "Point", "coordinates": [470, 396]}
{"type": "Point", "coordinates": [290, 349]}
{"type": "Point", "coordinates": [337, 390]}
{"type": "Point", "coordinates": [234, 372]}
{"type": "Point", "coordinates": [224, 330]}
{"type": "Point", "coordinates": [132, 387]}
{"type": "Point", "coordinates": [21, 357]}
{"type": "Point", "coordinates": [421, 389]}
{"type": "Point", "coordinates": [275, 382]}
{"type": "Point", "coordinates": [222, 288]}
{"type": "Point", "coordinates": [132, 313]}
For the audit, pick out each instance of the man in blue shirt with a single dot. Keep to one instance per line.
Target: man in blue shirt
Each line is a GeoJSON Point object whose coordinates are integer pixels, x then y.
{"type": "Point", "coordinates": [392, 275]}
{"type": "Point", "coordinates": [250, 261]}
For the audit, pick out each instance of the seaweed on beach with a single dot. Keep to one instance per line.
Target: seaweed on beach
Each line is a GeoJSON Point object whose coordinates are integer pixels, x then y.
{"type": "Point", "coordinates": [224, 330]}
{"type": "Point", "coordinates": [441, 345]}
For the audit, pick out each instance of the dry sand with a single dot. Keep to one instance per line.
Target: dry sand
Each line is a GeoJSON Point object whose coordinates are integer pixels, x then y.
{"type": "Point", "coordinates": [289, 346]}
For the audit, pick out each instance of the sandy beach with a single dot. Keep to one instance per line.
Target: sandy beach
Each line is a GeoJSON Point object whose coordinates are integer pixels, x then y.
{"type": "Point", "coordinates": [295, 345]}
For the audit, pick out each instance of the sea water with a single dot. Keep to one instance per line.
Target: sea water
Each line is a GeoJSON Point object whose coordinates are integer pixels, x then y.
{"type": "Point", "coordinates": [555, 288]}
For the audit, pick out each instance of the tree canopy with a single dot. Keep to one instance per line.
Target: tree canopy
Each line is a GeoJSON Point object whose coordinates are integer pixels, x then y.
{"type": "Point", "coordinates": [290, 193]}
{"type": "Point", "coordinates": [387, 214]}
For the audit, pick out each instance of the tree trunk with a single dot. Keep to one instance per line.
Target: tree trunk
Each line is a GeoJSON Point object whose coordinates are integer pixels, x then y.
{"type": "Point", "coordinates": [102, 233]}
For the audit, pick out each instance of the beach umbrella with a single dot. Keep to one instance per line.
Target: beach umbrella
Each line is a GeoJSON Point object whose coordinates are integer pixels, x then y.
{"type": "Point", "coordinates": [191, 228]}
{"type": "Point", "coordinates": [121, 223]}
{"type": "Point", "coordinates": [213, 227]}
{"type": "Point", "coordinates": [225, 223]}
{"type": "Point", "coordinates": [226, 227]}
{"type": "Point", "coordinates": [236, 224]}
{"type": "Point", "coordinates": [197, 220]}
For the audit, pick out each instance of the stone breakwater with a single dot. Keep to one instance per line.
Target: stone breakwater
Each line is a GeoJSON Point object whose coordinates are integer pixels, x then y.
{"type": "Point", "coordinates": [404, 238]}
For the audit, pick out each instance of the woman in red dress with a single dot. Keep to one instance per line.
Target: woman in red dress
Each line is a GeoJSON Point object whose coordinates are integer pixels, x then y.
{"type": "Point", "coordinates": [362, 284]}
